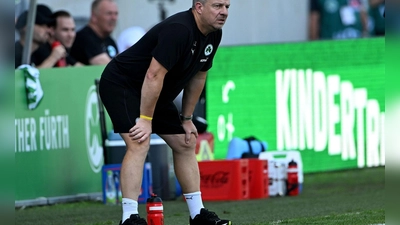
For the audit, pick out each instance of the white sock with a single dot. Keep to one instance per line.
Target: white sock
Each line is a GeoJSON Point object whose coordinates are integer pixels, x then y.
{"type": "Point", "coordinates": [194, 202]}
{"type": "Point", "coordinates": [129, 207]}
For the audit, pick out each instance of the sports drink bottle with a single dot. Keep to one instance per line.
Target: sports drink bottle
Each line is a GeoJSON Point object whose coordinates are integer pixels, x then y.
{"type": "Point", "coordinates": [61, 62]}
{"type": "Point", "coordinates": [155, 210]}
{"type": "Point", "coordinates": [292, 179]}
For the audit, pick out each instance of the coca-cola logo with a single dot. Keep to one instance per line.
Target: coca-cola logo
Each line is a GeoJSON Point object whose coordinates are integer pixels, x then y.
{"type": "Point", "coordinates": [214, 180]}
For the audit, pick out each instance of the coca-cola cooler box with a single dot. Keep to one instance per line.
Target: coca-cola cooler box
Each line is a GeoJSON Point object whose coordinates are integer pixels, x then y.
{"type": "Point", "coordinates": [111, 184]}
{"type": "Point", "coordinates": [258, 179]}
{"type": "Point", "coordinates": [224, 179]}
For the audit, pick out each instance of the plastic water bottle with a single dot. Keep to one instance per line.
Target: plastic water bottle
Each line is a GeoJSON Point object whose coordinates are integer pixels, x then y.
{"type": "Point", "coordinates": [155, 210]}
{"type": "Point", "coordinates": [111, 191]}
{"type": "Point", "coordinates": [118, 186]}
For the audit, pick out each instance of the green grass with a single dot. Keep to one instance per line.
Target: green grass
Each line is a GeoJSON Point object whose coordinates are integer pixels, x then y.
{"type": "Point", "coordinates": [349, 197]}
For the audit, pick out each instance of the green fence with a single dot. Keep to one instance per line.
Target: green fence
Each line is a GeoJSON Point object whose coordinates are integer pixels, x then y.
{"type": "Point", "coordinates": [58, 149]}
{"type": "Point", "coordinates": [325, 99]}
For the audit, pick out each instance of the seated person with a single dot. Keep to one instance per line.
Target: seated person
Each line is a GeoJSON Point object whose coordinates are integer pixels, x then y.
{"type": "Point", "coordinates": [93, 44]}
{"type": "Point", "coordinates": [40, 36]}
{"type": "Point", "coordinates": [62, 32]}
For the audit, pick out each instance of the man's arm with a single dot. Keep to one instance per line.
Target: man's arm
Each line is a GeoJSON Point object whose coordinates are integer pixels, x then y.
{"type": "Point", "coordinates": [364, 22]}
{"type": "Point", "coordinates": [100, 59]}
{"type": "Point", "coordinates": [151, 89]}
{"type": "Point", "coordinates": [314, 25]}
{"type": "Point", "coordinates": [192, 92]}
{"type": "Point", "coordinates": [152, 85]}
{"type": "Point", "coordinates": [78, 64]}
{"type": "Point", "coordinates": [364, 17]}
{"type": "Point", "coordinates": [56, 54]}
{"type": "Point", "coordinates": [314, 17]}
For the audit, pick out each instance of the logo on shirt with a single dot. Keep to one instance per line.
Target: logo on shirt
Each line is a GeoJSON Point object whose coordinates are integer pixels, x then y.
{"type": "Point", "coordinates": [204, 60]}
{"type": "Point", "coordinates": [208, 50]}
{"type": "Point", "coordinates": [111, 51]}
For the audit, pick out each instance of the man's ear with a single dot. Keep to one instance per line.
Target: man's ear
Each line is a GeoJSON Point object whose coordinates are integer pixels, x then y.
{"type": "Point", "coordinates": [199, 7]}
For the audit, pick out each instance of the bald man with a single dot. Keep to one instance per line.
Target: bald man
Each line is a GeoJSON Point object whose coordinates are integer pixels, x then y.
{"type": "Point", "coordinates": [93, 43]}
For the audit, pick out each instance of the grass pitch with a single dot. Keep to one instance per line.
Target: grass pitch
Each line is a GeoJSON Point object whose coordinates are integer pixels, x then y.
{"type": "Point", "coordinates": [351, 197]}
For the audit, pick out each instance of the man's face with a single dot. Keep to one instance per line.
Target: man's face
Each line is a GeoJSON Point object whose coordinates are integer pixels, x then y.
{"type": "Point", "coordinates": [40, 34]}
{"type": "Point", "coordinates": [106, 16]}
{"type": "Point", "coordinates": [65, 32]}
{"type": "Point", "coordinates": [215, 13]}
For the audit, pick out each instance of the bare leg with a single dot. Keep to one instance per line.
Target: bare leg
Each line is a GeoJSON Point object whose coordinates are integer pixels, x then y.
{"type": "Point", "coordinates": [132, 167]}
{"type": "Point", "coordinates": [185, 162]}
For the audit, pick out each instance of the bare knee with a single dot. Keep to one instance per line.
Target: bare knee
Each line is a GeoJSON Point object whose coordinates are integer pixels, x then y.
{"type": "Point", "coordinates": [136, 147]}
{"type": "Point", "coordinates": [185, 148]}
{"type": "Point", "coordinates": [178, 144]}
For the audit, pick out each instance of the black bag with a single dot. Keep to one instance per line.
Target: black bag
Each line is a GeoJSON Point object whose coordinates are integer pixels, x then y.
{"type": "Point", "coordinates": [251, 154]}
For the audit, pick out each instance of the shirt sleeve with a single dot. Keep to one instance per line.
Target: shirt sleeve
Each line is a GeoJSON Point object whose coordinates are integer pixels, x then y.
{"type": "Point", "coordinates": [172, 45]}
{"type": "Point", "coordinates": [70, 60]}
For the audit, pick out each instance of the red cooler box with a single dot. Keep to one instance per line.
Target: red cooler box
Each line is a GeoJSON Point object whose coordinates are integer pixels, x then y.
{"type": "Point", "coordinates": [258, 179]}
{"type": "Point", "coordinates": [224, 179]}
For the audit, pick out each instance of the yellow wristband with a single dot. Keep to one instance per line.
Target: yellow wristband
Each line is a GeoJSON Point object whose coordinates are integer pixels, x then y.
{"type": "Point", "coordinates": [146, 117]}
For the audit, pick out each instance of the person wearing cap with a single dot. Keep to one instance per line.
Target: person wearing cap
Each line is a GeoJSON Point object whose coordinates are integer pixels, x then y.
{"type": "Point", "coordinates": [93, 44]}
{"type": "Point", "coordinates": [40, 37]}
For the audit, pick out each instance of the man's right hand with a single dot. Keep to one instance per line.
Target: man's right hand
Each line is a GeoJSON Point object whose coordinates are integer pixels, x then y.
{"type": "Point", "coordinates": [141, 131]}
{"type": "Point", "coordinates": [58, 52]}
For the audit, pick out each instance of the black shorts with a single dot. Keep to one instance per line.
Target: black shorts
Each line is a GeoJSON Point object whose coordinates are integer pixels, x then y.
{"type": "Point", "coordinates": [123, 107]}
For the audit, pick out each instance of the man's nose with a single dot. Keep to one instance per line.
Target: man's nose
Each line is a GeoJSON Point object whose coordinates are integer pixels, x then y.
{"type": "Point", "coordinates": [224, 10]}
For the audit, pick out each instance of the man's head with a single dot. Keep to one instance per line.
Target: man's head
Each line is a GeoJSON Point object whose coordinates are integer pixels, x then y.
{"type": "Point", "coordinates": [210, 14]}
{"type": "Point", "coordinates": [63, 28]}
{"type": "Point", "coordinates": [42, 20]}
{"type": "Point", "coordinates": [104, 16]}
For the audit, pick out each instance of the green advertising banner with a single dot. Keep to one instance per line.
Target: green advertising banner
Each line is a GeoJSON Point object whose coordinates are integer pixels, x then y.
{"type": "Point", "coordinates": [325, 99]}
{"type": "Point", "coordinates": [58, 150]}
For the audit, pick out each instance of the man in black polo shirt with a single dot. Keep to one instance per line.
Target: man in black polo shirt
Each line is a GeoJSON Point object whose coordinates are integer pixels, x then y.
{"type": "Point", "coordinates": [93, 44]}
{"type": "Point", "coordinates": [138, 87]}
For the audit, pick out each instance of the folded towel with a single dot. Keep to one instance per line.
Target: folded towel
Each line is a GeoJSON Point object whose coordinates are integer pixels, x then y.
{"type": "Point", "coordinates": [34, 91]}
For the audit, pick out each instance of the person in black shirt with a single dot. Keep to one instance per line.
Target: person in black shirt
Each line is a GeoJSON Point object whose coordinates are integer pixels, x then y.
{"type": "Point", "coordinates": [62, 30]}
{"type": "Point", "coordinates": [138, 87]}
{"type": "Point", "coordinates": [93, 44]}
{"type": "Point", "coordinates": [40, 36]}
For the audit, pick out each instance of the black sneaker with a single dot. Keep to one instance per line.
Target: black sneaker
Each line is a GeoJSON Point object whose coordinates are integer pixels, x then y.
{"type": "Point", "coordinates": [207, 218]}
{"type": "Point", "coordinates": [134, 220]}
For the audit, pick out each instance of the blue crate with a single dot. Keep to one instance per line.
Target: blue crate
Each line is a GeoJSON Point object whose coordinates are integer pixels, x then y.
{"type": "Point", "coordinates": [111, 185]}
